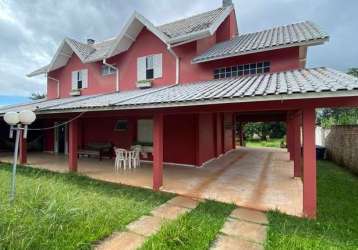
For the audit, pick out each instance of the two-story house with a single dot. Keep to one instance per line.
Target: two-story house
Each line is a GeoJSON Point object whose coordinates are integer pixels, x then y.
{"type": "Point", "coordinates": [181, 89]}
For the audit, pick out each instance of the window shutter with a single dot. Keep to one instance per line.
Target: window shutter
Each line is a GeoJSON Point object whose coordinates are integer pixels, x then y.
{"type": "Point", "coordinates": [84, 73]}
{"type": "Point", "coordinates": [141, 68]}
{"type": "Point", "coordinates": [74, 80]}
{"type": "Point", "coordinates": [158, 68]}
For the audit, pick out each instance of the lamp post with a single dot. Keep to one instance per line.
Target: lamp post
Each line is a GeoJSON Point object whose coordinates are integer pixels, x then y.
{"type": "Point", "coordinates": [18, 122]}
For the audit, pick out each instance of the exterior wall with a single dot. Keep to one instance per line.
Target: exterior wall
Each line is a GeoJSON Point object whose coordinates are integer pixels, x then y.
{"type": "Point", "coordinates": [228, 29]}
{"type": "Point", "coordinates": [96, 82]}
{"type": "Point", "coordinates": [179, 139]}
{"type": "Point", "coordinates": [342, 146]}
{"type": "Point", "coordinates": [283, 59]}
{"type": "Point", "coordinates": [228, 132]}
{"type": "Point", "coordinates": [205, 138]}
{"type": "Point", "coordinates": [145, 44]}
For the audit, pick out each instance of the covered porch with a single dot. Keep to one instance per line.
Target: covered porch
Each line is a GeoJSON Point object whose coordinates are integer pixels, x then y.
{"type": "Point", "coordinates": [255, 178]}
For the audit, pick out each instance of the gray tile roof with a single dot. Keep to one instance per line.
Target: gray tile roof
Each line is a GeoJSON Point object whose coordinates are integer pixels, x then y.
{"type": "Point", "coordinates": [192, 24]}
{"type": "Point", "coordinates": [294, 84]}
{"type": "Point", "coordinates": [278, 37]}
{"type": "Point", "coordinates": [41, 104]}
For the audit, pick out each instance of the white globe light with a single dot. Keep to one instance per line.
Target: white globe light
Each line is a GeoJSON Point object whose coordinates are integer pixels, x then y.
{"type": "Point", "coordinates": [27, 117]}
{"type": "Point", "coordinates": [11, 118]}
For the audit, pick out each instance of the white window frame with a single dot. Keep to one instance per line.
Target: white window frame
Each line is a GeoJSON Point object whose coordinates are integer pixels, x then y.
{"type": "Point", "coordinates": [149, 62]}
{"type": "Point", "coordinates": [79, 77]}
{"type": "Point", "coordinates": [107, 70]}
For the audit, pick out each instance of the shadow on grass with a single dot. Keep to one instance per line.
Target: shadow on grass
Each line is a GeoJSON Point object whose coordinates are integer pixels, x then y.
{"type": "Point", "coordinates": [83, 182]}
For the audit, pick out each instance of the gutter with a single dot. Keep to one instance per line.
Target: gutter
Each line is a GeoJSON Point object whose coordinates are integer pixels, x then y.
{"type": "Point", "coordinates": [58, 84]}
{"type": "Point", "coordinates": [104, 61]}
{"type": "Point", "coordinates": [177, 63]}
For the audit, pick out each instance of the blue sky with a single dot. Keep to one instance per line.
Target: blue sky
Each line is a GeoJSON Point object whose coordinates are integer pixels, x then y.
{"type": "Point", "coordinates": [8, 100]}
{"type": "Point", "coordinates": [31, 31]}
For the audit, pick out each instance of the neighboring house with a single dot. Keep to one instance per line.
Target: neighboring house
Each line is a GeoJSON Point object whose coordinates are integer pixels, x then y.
{"type": "Point", "coordinates": [189, 82]}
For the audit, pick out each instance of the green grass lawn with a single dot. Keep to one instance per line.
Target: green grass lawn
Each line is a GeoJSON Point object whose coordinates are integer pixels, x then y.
{"type": "Point", "coordinates": [64, 211]}
{"type": "Point", "coordinates": [194, 230]}
{"type": "Point", "coordinates": [272, 143]}
{"type": "Point", "coordinates": [336, 226]}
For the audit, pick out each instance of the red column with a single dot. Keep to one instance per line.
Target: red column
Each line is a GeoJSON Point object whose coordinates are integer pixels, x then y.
{"type": "Point", "coordinates": [309, 163]}
{"type": "Point", "coordinates": [73, 145]}
{"type": "Point", "coordinates": [234, 130]}
{"type": "Point", "coordinates": [22, 149]}
{"type": "Point", "coordinates": [297, 121]}
{"type": "Point", "coordinates": [158, 152]}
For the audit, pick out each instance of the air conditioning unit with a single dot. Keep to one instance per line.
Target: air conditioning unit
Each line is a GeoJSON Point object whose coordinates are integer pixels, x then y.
{"type": "Point", "coordinates": [144, 84]}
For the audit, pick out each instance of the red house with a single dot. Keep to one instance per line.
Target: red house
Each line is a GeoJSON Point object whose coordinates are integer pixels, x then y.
{"type": "Point", "coordinates": [181, 89]}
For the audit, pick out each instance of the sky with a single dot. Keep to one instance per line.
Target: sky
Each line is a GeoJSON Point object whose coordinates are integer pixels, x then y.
{"type": "Point", "coordinates": [31, 31]}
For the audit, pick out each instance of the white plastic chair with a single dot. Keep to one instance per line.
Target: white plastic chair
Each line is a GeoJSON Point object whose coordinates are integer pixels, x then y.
{"type": "Point", "coordinates": [121, 159]}
{"type": "Point", "coordinates": [135, 155]}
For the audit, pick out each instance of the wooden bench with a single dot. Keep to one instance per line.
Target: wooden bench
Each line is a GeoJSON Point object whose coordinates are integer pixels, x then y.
{"type": "Point", "coordinates": [99, 150]}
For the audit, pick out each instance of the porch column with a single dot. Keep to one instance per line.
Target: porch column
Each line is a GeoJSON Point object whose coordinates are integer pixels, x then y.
{"type": "Point", "coordinates": [234, 130]}
{"type": "Point", "coordinates": [23, 149]}
{"type": "Point", "coordinates": [309, 163]}
{"type": "Point", "coordinates": [297, 121]}
{"type": "Point", "coordinates": [158, 152]}
{"type": "Point", "coordinates": [73, 145]}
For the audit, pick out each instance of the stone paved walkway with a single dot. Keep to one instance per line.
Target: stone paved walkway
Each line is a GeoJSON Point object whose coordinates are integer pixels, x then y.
{"type": "Point", "coordinates": [243, 229]}
{"type": "Point", "coordinates": [137, 231]}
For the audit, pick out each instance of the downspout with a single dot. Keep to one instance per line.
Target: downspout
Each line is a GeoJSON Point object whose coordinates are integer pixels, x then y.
{"type": "Point", "coordinates": [177, 63]}
{"type": "Point", "coordinates": [117, 73]}
{"type": "Point", "coordinates": [58, 84]}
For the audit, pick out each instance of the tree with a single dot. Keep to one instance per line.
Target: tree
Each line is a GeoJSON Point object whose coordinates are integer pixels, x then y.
{"type": "Point", "coordinates": [353, 72]}
{"type": "Point", "coordinates": [37, 96]}
{"type": "Point", "coordinates": [339, 116]}
{"type": "Point", "coordinates": [263, 129]}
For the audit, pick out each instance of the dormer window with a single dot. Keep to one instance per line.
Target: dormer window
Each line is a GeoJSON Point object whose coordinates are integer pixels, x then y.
{"type": "Point", "coordinates": [79, 79]}
{"type": "Point", "coordinates": [149, 67]}
{"type": "Point", "coordinates": [107, 70]}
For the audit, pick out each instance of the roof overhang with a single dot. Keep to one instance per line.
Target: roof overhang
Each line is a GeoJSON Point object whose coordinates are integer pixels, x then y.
{"type": "Point", "coordinates": [176, 41]}
{"type": "Point", "coordinates": [299, 44]}
{"type": "Point", "coordinates": [250, 99]}
{"type": "Point", "coordinates": [130, 32]}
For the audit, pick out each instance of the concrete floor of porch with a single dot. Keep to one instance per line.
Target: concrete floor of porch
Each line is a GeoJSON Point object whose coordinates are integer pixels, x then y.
{"type": "Point", "coordinates": [256, 178]}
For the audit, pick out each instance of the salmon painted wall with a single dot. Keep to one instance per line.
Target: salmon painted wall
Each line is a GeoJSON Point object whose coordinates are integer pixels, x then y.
{"type": "Point", "coordinates": [179, 135]}
{"type": "Point", "coordinates": [96, 82]}
{"type": "Point", "coordinates": [228, 131]}
{"type": "Point", "coordinates": [179, 139]}
{"type": "Point", "coordinates": [146, 44]}
{"type": "Point", "coordinates": [283, 59]}
{"type": "Point", "coordinates": [205, 138]}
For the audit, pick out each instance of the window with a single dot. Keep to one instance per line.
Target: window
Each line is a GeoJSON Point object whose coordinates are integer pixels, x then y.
{"type": "Point", "coordinates": [106, 70]}
{"type": "Point", "coordinates": [121, 125]}
{"type": "Point", "coordinates": [79, 79]}
{"type": "Point", "coordinates": [145, 131]}
{"type": "Point", "coordinates": [149, 67]}
{"type": "Point", "coordinates": [242, 70]}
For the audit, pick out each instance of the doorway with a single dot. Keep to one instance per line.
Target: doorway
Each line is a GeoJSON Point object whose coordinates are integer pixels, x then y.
{"type": "Point", "coordinates": [61, 141]}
